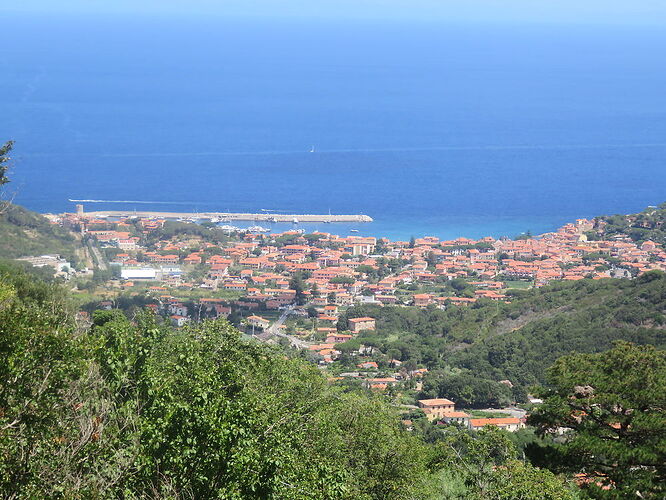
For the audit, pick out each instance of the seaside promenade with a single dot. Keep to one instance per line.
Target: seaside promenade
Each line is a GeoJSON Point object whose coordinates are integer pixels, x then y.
{"type": "Point", "coordinates": [268, 217]}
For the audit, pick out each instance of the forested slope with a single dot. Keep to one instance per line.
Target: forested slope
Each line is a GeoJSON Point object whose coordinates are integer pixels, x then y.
{"type": "Point", "coordinates": [519, 340]}
{"type": "Point", "coordinates": [26, 233]}
{"type": "Point", "coordinates": [596, 315]}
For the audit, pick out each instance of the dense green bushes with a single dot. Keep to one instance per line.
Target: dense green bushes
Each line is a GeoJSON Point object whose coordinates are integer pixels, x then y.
{"type": "Point", "coordinates": [136, 409]}
{"type": "Point", "coordinates": [613, 407]}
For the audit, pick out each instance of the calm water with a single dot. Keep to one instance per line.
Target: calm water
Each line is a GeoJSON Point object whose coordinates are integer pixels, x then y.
{"type": "Point", "coordinates": [430, 129]}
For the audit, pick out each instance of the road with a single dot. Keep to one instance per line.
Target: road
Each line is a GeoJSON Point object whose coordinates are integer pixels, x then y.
{"type": "Point", "coordinates": [98, 256]}
{"type": "Point", "coordinates": [274, 330]}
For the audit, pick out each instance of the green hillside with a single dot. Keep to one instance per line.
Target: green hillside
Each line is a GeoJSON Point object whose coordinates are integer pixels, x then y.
{"type": "Point", "coordinates": [26, 233]}
{"type": "Point", "coordinates": [518, 341]}
{"type": "Point", "coordinates": [650, 224]}
{"type": "Point", "coordinates": [584, 317]}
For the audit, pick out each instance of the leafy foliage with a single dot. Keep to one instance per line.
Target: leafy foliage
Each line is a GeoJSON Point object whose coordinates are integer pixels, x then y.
{"type": "Point", "coordinates": [467, 390]}
{"type": "Point", "coordinates": [614, 406]}
{"type": "Point", "coordinates": [135, 409]}
{"type": "Point", "coordinates": [4, 161]}
{"type": "Point", "coordinates": [486, 462]}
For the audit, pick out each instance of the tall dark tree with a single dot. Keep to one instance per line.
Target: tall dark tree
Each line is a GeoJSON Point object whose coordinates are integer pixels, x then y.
{"type": "Point", "coordinates": [298, 285]}
{"type": "Point", "coordinates": [613, 409]}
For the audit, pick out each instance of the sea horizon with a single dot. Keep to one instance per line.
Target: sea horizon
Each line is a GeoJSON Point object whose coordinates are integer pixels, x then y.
{"type": "Point", "coordinates": [452, 130]}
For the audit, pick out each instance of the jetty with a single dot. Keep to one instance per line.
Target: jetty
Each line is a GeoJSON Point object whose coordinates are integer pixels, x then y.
{"type": "Point", "coordinates": [267, 217]}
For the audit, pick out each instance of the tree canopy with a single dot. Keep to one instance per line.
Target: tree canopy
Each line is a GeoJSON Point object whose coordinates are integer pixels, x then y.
{"type": "Point", "coordinates": [137, 409]}
{"type": "Point", "coordinates": [612, 409]}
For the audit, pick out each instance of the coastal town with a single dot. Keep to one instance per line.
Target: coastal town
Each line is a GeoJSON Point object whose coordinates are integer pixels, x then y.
{"type": "Point", "coordinates": [256, 275]}
{"type": "Point", "coordinates": [322, 296]}
{"type": "Point", "coordinates": [297, 289]}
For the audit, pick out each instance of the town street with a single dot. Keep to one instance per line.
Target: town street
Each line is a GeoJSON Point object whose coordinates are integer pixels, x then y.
{"type": "Point", "coordinates": [274, 330]}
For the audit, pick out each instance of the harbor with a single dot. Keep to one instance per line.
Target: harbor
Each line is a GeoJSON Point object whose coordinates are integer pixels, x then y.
{"type": "Point", "coordinates": [227, 216]}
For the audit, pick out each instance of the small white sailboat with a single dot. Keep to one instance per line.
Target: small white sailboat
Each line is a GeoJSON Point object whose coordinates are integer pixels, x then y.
{"type": "Point", "coordinates": [312, 149]}
{"type": "Point", "coordinates": [294, 221]}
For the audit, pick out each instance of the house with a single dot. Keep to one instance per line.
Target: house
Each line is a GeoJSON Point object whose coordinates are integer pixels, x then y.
{"type": "Point", "coordinates": [511, 424]}
{"type": "Point", "coordinates": [381, 382]}
{"type": "Point", "coordinates": [456, 417]}
{"type": "Point", "coordinates": [422, 299]}
{"type": "Point", "coordinates": [436, 408]}
{"type": "Point", "coordinates": [167, 259]}
{"type": "Point", "coordinates": [357, 325]}
{"type": "Point", "coordinates": [178, 309]}
{"type": "Point", "coordinates": [178, 321]}
{"type": "Point", "coordinates": [258, 322]}
{"type": "Point", "coordinates": [338, 338]}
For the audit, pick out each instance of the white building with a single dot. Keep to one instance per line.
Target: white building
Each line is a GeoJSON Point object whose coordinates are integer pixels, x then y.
{"type": "Point", "coordinates": [54, 261]}
{"type": "Point", "coordinates": [138, 273]}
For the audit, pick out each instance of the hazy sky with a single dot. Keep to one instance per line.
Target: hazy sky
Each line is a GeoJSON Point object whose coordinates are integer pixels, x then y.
{"type": "Point", "coordinates": [578, 11]}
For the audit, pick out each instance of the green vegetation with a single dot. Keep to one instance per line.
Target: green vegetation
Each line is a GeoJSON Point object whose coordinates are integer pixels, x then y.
{"type": "Point", "coordinates": [650, 224]}
{"type": "Point", "coordinates": [175, 228]}
{"type": "Point", "coordinates": [614, 404]}
{"type": "Point", "coordinates": [26, 233]}
{"type": "Point", "coordinates": [585, 317]}
{"type": "Point", "coordinates": [491, 341]}
{"type": "Point", "coordinates": [487, 414]}
{"type": "Point", "coordinates": [139, 410]}
{"type": "Point", "coordinates": [5, 149]}
{"type": "Point", "coordinates": [468, 390]}
{"type": "Point", "coordinates": [135, 409]}
{"type": "Point", "coordinates": [487, 465]}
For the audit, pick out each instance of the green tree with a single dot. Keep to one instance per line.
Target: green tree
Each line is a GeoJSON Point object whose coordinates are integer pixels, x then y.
{"type": "Point", "coordinates": [486, 462]}
{"type": "Point", "coordinates": [614, 407]}
{"type": "Point", "coordinates": [5, 149]}
{"type": "Point", "coordinates": [296, 283]}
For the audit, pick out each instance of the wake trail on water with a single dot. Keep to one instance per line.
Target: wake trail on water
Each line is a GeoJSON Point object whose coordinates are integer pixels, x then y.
{"type": "Point", "coordinates": [138, 201]}
{"type": "Point", "coordinates": [526, 147]}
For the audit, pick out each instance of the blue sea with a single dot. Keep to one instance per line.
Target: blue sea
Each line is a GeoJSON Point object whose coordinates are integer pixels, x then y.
{"type": "Point", "coordinates": [430, 128]}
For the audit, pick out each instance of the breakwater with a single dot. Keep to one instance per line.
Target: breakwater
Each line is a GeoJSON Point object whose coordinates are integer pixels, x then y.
{"type": "Point", "coordinates": [267, 217]}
